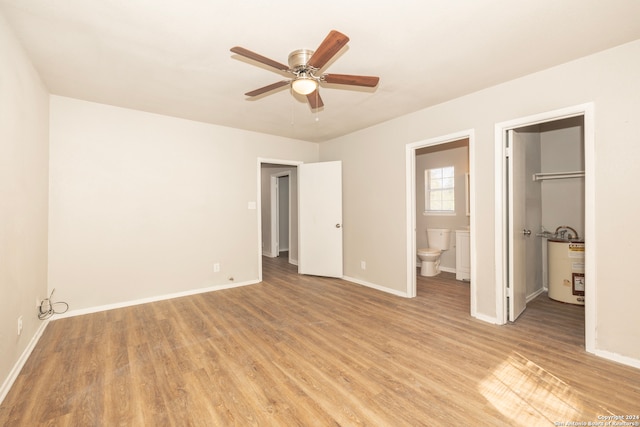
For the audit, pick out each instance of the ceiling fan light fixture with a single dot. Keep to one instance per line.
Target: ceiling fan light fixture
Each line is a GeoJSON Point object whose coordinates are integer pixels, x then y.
{"type": "Point", "coordinates": [304, 64]}
{"type": "Point", "coordinates": [304, 85]}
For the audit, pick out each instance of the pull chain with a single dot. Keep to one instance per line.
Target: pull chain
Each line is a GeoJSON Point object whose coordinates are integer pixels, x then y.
{"type": "Point", "coordinates": [292, 108]}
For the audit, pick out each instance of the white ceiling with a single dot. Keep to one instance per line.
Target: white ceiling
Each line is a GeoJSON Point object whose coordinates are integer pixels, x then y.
{"type": "Point", "coordinates": [172, 56]}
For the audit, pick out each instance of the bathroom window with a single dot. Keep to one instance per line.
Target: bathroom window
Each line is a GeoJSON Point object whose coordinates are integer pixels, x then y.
{"type": "Point", "coordinates": [440, 191]}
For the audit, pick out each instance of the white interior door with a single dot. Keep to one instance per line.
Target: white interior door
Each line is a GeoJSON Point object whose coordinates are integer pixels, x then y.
{"type": "Point", "coordinates": [320, 219]}
{"type": "Point", "coordinates": [517, 284]}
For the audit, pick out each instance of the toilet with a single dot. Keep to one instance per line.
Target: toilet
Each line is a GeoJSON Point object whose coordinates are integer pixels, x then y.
{"type": "Point", "coordinates": [438, 240]}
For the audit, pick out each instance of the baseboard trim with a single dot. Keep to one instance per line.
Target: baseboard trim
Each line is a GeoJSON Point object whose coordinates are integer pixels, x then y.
{"type": "Point", "coordinates": [114, 306]}
{"type": "Point", "coordinates": [17, 368]}
{"type": "Point", "coordinates": [485, 318]}
{"type": "Point", "coordinates": [615, 357]}
{"type": "Point", "coordinates": [374, 286]}
{"type": "Point", "coordinates": [534, 295]}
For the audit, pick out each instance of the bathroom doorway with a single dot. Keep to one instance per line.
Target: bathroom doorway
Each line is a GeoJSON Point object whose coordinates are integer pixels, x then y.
{"type": "Point", "coordinates": [433, 163]}
{"type": "Point", "coordinates": [544, 182]}
{"type": "Point", "coordinates": [435, 153]}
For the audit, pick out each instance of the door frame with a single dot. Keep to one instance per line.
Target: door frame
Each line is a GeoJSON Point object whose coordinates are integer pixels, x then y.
{"type": "Point", "coordinates": [501, 209]}
{"type": "Point", "coordinates": [411, 209]}
{"type": "Point", "coordinates": [275, 212]}
{"type": "Point", "coordinates": [260, 161]}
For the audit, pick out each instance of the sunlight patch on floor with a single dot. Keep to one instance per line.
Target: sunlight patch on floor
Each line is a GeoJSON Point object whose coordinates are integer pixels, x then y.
{"type": "Point", "coordinates": [528, 395]}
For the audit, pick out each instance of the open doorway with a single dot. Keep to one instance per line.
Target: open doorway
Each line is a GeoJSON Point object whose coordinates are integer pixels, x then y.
{"type": "Point", "coordinates": [280, 207]}
{"type": "Point", "coordinates": [314, 226]}
{"type": "Point", "coordinates": [430, 154]}
{"type": "Point", "coordinates": [442, 204]}
{"type": "Point", "coordinates": [544, 183]}
{"type": "Point", "coordinates": [278, 211]}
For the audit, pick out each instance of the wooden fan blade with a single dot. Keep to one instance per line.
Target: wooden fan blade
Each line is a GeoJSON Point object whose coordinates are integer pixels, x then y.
{"type": "Point", "coordinates": [347, 79]}
{"type": "Point", "coordinates": [268, 88]}
{"type": "Point", "coordinates": [257, 57]}
{"type": "Point", "coordinates": [314, 99]}
{"type": "Point", "coordinates": [329, 47]}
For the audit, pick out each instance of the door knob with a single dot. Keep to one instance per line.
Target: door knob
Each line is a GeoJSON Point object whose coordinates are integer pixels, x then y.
{"type": "Point", "coordinates": [338, 226]}
{"type": "Point", "coordinates": [526, 232]}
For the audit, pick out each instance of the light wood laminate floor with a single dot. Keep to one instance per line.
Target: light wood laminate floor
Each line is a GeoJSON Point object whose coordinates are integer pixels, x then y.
{"type": "Point", "coordinates": [309, 351]}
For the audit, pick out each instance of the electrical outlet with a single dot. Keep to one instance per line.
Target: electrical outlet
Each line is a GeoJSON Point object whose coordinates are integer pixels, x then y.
{"type": "Point", "coordinates": [363, 265]}
{"type": "Point", "coordinates": [38, 302]}
{"type": "Point", "coordinates": [216, 267]}
{"type": "Point", "coordinates": [19, 325]}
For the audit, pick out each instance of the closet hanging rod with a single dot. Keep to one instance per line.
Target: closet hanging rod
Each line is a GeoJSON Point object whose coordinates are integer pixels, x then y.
{"type": "Point", "coordinates": [557, 175]}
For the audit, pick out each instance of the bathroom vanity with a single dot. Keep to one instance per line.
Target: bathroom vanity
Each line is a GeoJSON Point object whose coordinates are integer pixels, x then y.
{"type": "Point", "coordinates": [463, 255]}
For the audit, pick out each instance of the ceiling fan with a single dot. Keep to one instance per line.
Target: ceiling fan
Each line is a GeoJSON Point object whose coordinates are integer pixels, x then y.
{"type": "Point", "coordinates": [304, 64]}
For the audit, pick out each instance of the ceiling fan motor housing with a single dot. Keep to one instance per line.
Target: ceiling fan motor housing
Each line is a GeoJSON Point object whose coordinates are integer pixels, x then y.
{"type": "Point", "coordinates": [298, 60]}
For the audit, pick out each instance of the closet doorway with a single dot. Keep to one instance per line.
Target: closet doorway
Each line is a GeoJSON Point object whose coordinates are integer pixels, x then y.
{"type": "Point", "coordinates": [558, 144]}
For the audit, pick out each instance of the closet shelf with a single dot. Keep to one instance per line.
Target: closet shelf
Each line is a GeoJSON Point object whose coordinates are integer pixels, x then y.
{"type": "Point", "coordinates": [557, 175]}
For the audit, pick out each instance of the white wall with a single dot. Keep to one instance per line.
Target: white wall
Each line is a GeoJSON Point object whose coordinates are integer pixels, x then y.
{"type": "Point", "coordinates": [374, 208]}
{"type": "Point", "coordinates": [562, 150]}
{"type": "Point", "coordinates": [24, 110]}
{"type": "Point", "coordinates": [143, 205]}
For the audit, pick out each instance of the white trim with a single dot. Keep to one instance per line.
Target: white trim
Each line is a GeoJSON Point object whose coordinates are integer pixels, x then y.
{"type": "Point", "coordinates": [587, 112]}
{"type": "Point", "coordinates": [410, 180]}
{"type": "Point", "coordinates": [629, 361]}
{"type": "Point", "coordinates": [17, 368]}
{"type": "Point", "coordinates": [140, 301]}
{"type": "Point", "coordinates": [410, 185]}
{"type": "Point", "coordinates": [374, 286]}
{"type": "Point", "coordinates": [275, 213]}
{"type": "Point", "coordinates": [488, 319]}
{"type": "Point", "coordinates": [473, 286]}
{"type": "Point", "coordinates": [590, 226]}
{"type": "Point", "coordinates": [268, 253]}
{"type": "Point", "coordinates": [535, 295]}
{"type": "Point", "coordinates": [439, 213]}
{"type": "Point", "coordinates": [500, 190]}
{"type": "Point", "coordinates": [273, 208]}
